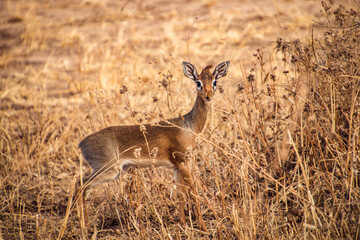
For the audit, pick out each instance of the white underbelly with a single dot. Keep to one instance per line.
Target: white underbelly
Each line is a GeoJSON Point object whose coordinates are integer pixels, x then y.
{"type": "Point", "coordinates": [125, 164]}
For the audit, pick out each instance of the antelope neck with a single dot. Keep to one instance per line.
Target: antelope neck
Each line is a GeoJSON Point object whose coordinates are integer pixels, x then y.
{"type": "Point", "coordinates": [196, 118]}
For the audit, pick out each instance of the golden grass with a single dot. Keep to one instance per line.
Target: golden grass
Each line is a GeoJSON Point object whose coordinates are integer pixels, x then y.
{"type": "Point", "coordinates": [279, 158]}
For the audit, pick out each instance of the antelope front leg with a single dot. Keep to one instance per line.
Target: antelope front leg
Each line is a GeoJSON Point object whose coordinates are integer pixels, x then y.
{"type": "Point", "coordinates": [181, 195]}
{"type": "Point", "coordinates": [183, 177]}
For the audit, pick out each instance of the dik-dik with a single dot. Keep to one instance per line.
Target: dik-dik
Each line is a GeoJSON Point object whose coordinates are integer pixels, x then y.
{"type": "Point", "coordinates": [111, 150]}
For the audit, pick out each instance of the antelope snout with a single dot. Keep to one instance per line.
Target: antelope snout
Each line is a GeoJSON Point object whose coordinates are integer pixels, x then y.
{"type": "Point", "coordinates": [208, 95]}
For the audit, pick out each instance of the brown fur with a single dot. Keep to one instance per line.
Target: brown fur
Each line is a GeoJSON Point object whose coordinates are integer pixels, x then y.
{"type": "Point", "coordinates": [113, 146]}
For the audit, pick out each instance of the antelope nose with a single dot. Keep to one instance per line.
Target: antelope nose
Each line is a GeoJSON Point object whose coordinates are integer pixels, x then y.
{"type": "Point", "coordinates": [207, 98]}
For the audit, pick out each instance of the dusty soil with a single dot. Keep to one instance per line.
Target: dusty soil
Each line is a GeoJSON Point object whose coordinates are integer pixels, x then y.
{"type": "Point", "coordinates": [59, 33]}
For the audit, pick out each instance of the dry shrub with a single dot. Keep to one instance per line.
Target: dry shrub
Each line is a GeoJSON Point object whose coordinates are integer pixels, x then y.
{"type": "Point", "coordinates": [287, 158]}
{"type": "Point", "coordinates": [279, 158]}
{"type": "Point", "coordinates": [327, 139]}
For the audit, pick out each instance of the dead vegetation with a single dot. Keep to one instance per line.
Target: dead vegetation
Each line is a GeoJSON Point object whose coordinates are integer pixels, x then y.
{"type": "Point", "coordinates": [280, 155]}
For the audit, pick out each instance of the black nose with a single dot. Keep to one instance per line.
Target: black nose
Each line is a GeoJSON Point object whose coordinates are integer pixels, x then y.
{"type": "Point", "coordinates": [207, 98]}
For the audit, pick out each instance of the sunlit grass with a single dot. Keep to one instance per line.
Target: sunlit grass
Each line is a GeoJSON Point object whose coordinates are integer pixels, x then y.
{"type": "Point", "coordinates": [278, 158]}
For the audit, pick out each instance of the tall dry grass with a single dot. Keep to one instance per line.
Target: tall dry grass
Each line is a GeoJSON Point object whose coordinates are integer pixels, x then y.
{"type": "Point", "coordinates": [280, 155]}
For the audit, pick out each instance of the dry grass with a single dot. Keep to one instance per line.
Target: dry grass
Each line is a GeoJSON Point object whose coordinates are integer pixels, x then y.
{"type": "Point", "coordinates": [280, 155]}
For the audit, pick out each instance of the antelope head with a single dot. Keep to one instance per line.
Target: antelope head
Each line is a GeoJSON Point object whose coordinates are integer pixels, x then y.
{"type": "Point", "coordinates": [206, 81]}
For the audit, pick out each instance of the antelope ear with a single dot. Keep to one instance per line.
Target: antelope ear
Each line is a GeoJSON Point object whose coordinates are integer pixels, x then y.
{"type": "Point", "coordinates": [221, 70]}
{"type": "Point", "coordinates": [190, 71]}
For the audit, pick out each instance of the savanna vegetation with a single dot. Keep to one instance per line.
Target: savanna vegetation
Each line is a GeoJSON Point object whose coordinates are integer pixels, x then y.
{"type": "Point", "coordinates": [278, 159]}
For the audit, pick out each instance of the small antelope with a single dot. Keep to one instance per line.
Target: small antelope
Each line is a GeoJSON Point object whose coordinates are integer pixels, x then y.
{"type": "Point", "coordinates": [113, 147]}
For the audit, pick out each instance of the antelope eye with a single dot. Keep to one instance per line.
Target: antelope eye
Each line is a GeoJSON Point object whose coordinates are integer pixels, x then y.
{"type": "Point", "coordinates": [214, 85]}
{"type": "Point", "coordinates": [199, 85]}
